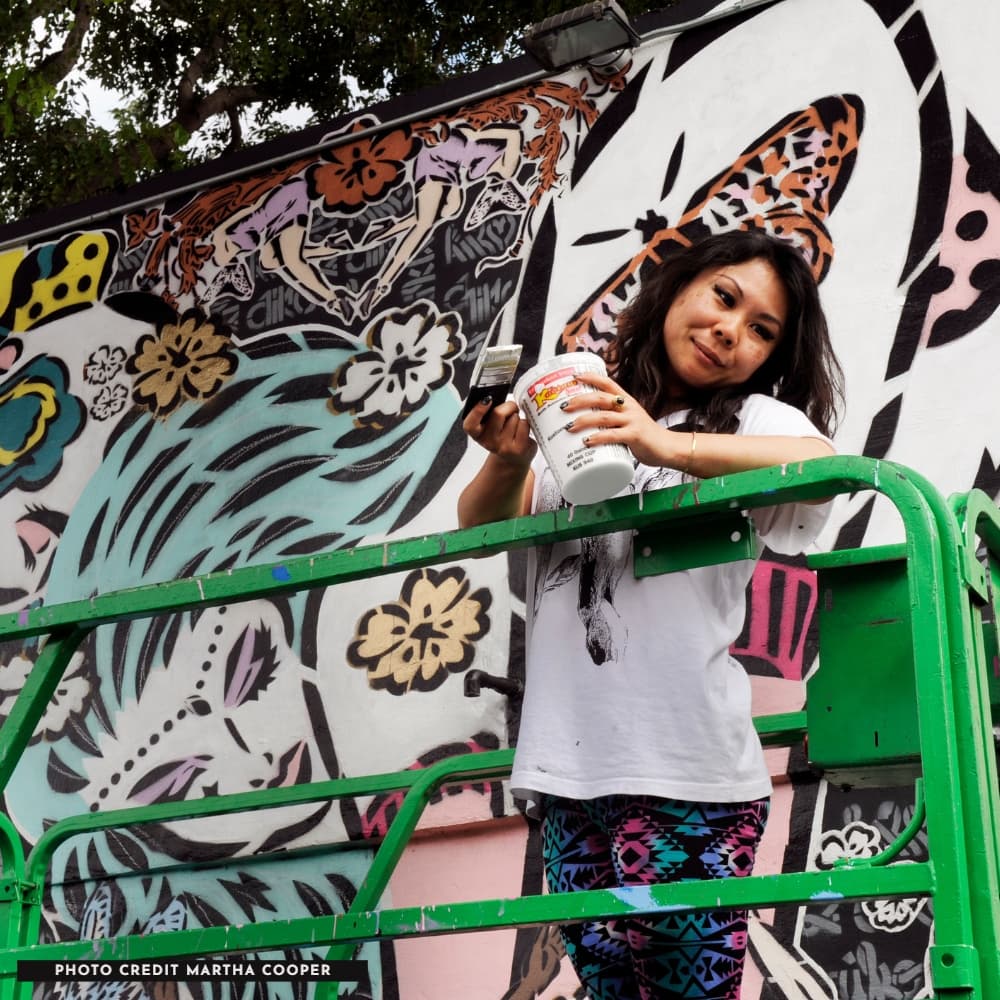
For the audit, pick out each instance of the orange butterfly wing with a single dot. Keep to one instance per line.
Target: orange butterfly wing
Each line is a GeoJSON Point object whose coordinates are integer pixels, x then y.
{"type": "Point", "coordinates": [786, 184]}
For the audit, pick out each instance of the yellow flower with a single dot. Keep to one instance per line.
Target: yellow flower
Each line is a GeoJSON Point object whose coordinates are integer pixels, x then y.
{"type": "Point", "coordinates": [429, 633]}
{"type": "Point", "coordinates": [183, 361]}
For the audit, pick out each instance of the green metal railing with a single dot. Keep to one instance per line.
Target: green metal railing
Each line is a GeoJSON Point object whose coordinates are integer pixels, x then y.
{"type": "Point", "coordinates": [947, 590]}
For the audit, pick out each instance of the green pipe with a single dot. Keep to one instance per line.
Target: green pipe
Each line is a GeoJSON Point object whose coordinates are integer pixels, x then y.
{"type": "Point", "coordinates": [799, 888]}
{"type": "Point", "coordinates": [33, 698]}
{"type": "Point", "coordinates": [760, 488]}
{"type": "Point", "coordinates": [421, 784]}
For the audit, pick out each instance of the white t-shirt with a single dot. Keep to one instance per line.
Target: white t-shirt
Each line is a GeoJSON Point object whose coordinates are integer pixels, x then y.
{"type": "Point", "coordinates": [630, 688]}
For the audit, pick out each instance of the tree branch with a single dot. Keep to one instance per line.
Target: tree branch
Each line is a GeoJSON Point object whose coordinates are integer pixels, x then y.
{"type": "Point", "coordinates": [194, 71]}
{"type": "Point", "coordinates": [59, 65]}
{"type": "Point", "coordinates": [235, 131]}
{"type": "Point", "coordinates": [223, 101]}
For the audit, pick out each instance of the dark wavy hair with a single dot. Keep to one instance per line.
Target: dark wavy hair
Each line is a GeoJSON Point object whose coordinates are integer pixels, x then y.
{"type": "Point", "coordinates": [802, 371]}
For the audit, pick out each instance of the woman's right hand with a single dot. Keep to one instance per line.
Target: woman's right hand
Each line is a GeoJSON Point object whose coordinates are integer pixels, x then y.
{"type": "Point", "coordinates": [501, 431]}
{"type": "Point", "coordinates": [503, 486]}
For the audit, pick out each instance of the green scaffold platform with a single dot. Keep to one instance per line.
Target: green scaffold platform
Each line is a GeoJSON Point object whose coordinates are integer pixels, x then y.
{"type": "Point", "coordinates": [904, 693]}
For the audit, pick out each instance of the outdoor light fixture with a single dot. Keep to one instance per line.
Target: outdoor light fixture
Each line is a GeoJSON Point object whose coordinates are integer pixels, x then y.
{"type": "Point", "coordinates": [598, 34]}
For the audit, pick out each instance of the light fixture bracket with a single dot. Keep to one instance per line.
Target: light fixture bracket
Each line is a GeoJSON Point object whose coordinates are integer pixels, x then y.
{"type": "Point", "coordinates": [581, 35]}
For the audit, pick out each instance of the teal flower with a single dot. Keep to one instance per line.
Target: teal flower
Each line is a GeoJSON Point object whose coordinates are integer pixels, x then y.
{"type": "Point", "coordinates": [38, 418]}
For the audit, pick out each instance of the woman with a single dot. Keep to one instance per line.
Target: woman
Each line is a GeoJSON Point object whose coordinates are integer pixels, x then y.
{"type": "Point", "coordinates": [637, 747]}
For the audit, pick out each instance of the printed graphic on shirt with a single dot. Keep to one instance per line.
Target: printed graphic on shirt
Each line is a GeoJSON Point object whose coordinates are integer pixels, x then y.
{"type": "Point", "coordinates": [595, 566]}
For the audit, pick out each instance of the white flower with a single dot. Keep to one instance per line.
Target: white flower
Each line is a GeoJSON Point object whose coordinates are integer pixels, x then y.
{"type": "Point", "coordinates": [892, 915]}
{"type": "Point", "coordinates": [70, 698]}
{"type": "Point", "coordinates": [856, 840]}
{"type": "Point", "coordinates": [409, 355]}
{"type": "Point", "coordinates": [103, 365]}
{"type": "Point", "coordinates": [109, 401]}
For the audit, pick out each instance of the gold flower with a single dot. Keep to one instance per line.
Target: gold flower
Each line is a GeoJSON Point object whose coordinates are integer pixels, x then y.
{"type": "Point", "coordinates": [427, 634]}
{"type": "Point", "coordinates": [183, 361]}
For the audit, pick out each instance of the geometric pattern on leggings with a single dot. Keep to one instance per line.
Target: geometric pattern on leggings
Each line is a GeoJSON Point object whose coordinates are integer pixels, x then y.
{"type": "Point", "coordinates": [620, 840]}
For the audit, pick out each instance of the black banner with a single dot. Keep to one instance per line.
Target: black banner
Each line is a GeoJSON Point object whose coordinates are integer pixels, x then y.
{"type": "Point", "coordinates": [192, 969]}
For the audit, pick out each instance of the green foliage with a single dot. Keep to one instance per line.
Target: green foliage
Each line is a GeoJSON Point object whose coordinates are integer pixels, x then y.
{"type": "Point", "coordinates": [204, 77]}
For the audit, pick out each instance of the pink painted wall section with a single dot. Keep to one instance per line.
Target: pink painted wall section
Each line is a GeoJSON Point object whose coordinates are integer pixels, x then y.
{"type": "Point", "coordinates": [480, 862]}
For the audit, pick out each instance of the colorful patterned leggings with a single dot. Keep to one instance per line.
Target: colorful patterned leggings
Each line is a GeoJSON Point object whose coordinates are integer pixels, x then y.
{"type": "Point", "coordinates": [623, 840]}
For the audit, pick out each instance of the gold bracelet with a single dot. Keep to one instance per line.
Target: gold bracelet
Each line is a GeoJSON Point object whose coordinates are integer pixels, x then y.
{"type": "Point", "coordinates": [694, 445]}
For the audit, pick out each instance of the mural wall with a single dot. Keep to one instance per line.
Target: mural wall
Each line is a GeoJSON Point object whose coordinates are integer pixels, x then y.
{"type": "Point", "coordinates": [272, 365]}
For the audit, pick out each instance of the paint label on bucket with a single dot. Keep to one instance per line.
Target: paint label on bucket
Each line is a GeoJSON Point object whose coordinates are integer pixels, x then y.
{"type": "Point", "coordinates": [551, 389]}
{"type": "Point", "coordinates": [584, 474]}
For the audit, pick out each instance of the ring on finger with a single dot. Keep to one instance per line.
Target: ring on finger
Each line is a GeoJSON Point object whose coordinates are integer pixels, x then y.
{"type": "Point", "coordinates": [619, 403]}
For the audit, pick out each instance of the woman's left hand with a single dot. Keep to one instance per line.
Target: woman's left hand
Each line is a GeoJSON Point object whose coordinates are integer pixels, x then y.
{"type": "Point", "coordinates": [609, 415]}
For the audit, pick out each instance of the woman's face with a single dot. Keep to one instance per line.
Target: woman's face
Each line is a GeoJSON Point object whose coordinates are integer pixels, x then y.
{"type": "Point", "coordinates": [723, 325]}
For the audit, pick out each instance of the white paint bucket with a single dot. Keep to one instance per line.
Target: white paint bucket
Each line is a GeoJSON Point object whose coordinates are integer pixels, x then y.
{"type": "Point", "coordinates": [584, 475]}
